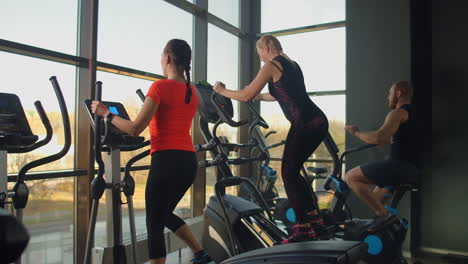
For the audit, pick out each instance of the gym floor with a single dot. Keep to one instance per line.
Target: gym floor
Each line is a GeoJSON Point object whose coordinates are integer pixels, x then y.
{"type": "Point", "coordinates": [186, 255]}
{"type": "Point", "coordinates": [439, 259]}
{"type": "Point", "coordinates": [183, 257]}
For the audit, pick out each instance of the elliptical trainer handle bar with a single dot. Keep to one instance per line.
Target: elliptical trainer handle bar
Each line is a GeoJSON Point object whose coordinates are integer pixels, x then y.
{"type": "Point", "coordinates": [97, 132]}
{"type": "Point", "coordinates": [240, 161]}
{"type": "Point", "coordinates": [270, 133]}
{"type": "Point", "coordinates": [134, 159]}
{"type": "Point", "coordinates": [141, 95]}
{"type": "Point", "coordinates": [47, 126]}
{"type": "Point", "coordinates": [209, 163]}
{"type": "Point", "coordinates": [356, 149]}
{"type": "Point", "coordinates": [46, 122]}
{"type": "Point", "coordinates": [66, 132]}
{"type": "Point", "coordinates": [260, 121]}
{"type": "Point", "coordinates": [224, 116]}
{"type": "Point", "coordinates": [276, 145]}
{"type": "Point", "coordinates": [204, 147]}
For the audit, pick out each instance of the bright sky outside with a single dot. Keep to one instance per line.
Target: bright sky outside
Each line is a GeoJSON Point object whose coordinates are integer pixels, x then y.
{"type": "Point", "coordinates": [132, 34]}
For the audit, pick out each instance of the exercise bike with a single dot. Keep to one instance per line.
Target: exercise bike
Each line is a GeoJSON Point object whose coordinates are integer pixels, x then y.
{"type": "Point", "coordinates": [384, 238]}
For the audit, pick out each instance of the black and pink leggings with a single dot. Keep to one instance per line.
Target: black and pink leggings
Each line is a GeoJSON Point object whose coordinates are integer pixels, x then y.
{"type": "Point", "coordinates": [301, 142]}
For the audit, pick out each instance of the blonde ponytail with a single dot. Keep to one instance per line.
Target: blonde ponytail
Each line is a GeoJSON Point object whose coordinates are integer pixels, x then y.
{"type": "Point", "coordinates": [273, 43]}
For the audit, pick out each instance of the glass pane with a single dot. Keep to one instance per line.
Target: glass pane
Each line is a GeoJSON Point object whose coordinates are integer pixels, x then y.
{"type": "Point", "coordinates": [227, 10]}
{"type": "Point", "coordinates": [223, 62]}
{"type": "Point", "coordinates": [145, 34]}
{"type": "Point", "coordinates": [50, 227]}
{"type": "Point", "coordinates": [321, 56]}
{"type": "Point", "coordinates": [29, 79]}
{"type": "Point", "coordinates": [300, 13]}
{"type": "Point", "coordinates": [223, 56]}
{"type": "Point", "coordinates": [50, 24]}
{"type": "Point", "coordinates": [333, 106]}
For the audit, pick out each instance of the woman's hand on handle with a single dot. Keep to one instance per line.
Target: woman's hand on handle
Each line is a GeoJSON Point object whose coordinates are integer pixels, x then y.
{"type": "Point", "coordinates": [99, 109]}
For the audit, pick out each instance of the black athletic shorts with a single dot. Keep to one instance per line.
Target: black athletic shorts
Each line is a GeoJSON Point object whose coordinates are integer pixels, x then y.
{"type": "Point", "coordinates": [390, 172]}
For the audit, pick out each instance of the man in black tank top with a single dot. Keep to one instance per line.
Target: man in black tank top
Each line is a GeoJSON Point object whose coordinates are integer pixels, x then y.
{"type": "Point", "coordinates": [399, 130]}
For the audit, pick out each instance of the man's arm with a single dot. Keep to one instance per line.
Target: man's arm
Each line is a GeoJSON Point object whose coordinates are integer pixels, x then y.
{"type": "Point", "coordinates": [385, 132]}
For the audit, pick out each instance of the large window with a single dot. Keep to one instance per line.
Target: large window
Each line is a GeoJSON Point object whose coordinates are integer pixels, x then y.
{"type": "Point", "coordinates": [223, 65]}
{"type": "Point", "coordinates": [227, 10]}
{"type": "Point", "coordinates": [50, 227]}
{"type": "Point", "coordinates": [321, 56]}
{"type": "Point", "coordinates": [130, 37]}
{"type": "Point", "coordinates": [134, 35]}
{"type": "Point", "coordinates": [278, 14]}
{"type": "Point", "coordinates": [29, 79]}
{"type": "Point", "coordinates": [47, 24]}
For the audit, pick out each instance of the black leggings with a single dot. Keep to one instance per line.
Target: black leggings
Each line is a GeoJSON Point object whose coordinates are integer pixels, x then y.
{"type": "Point", "coordinates": [301, 142]}
{"type": "Point", "coordinates": [171, 174]}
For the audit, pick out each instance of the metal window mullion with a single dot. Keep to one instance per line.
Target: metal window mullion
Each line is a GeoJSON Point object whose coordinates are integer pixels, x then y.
{"type": "Point", "coordinates": [40, 53]}
{"type": "Point", "coordinates": [327, 93]}
{"type": "Point", "coordinates": [310, 28]}
{"type": "Point", "coordinates": [249, 13]}
{"type": "Point", "coordinates": [84, 156]}
{"type": "Point", "coordinates": [202, 12]}
{"type": "Point", "coordinates": [199, 73]}
{"type": "Point", "coordinates": [212, 19]}
{"type": "Point", "coordinates": [121, 70]}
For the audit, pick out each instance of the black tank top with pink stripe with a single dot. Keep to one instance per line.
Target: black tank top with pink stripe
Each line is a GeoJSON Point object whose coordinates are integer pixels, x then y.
{"type": "Point", "coordinates": [291, 94]}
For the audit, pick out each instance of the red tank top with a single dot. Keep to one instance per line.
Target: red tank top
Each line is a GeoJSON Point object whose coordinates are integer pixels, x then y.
{"type": "Point", "coordinates": [170, 126]}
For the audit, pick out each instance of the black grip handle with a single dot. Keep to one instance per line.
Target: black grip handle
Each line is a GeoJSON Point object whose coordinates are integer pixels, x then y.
{"type": "Point", "coordinates": [97, 132]}
{"type": "Point", "coordinates": [326, 184]}
{"type": "Point", "coordinates": [207, 163]}
{"type": "Point", "coordinates": [352, 150]}
{"type": "Point", "coordinates": [132, 161]}
{"type": "Point", "coordinates": [141, 95]}
{"type": "Point", "coordinates": [226, 119]}
{"type": "Point", "coordinates": [240, 161]}
{"type": "Point", "coordinates": [270, 133]}
{"type": "Point", "coordinates": [276, 145]}
{"type": "Point", "coordinates": [66, 131]}
{"type": "Point", "coordinates": [198, 147]}
{"type": "Point", "coordinates": [46, 122]}
{"type": "Point", "coordinates": [47, 126]}
{"type": "Point", "coordinates": [98, 91]}
{"type": "Point", "coordinates": [258, 118]}
{"type": "Point", "coordinates": [231, 181]}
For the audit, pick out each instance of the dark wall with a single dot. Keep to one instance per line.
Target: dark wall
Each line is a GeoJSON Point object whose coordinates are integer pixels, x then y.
{"type": "Point", "coordinates": [377, 54]}
{"type": "Point", "coordinates": [394, 40]}
{"type": "Point", "coordinates": [444, 196]}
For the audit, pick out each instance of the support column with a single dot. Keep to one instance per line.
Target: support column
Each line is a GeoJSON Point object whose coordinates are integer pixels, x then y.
{"type": "Point", "coordinates": [84, 157]}
{"type": "Point", "coordinates": [199, 70]}
{"type": "Point", "coordinates": [249, 21]}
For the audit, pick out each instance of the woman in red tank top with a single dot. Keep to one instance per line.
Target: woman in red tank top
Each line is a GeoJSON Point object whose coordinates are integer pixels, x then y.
{"type": "Point", "coordinates": [169, 109]}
